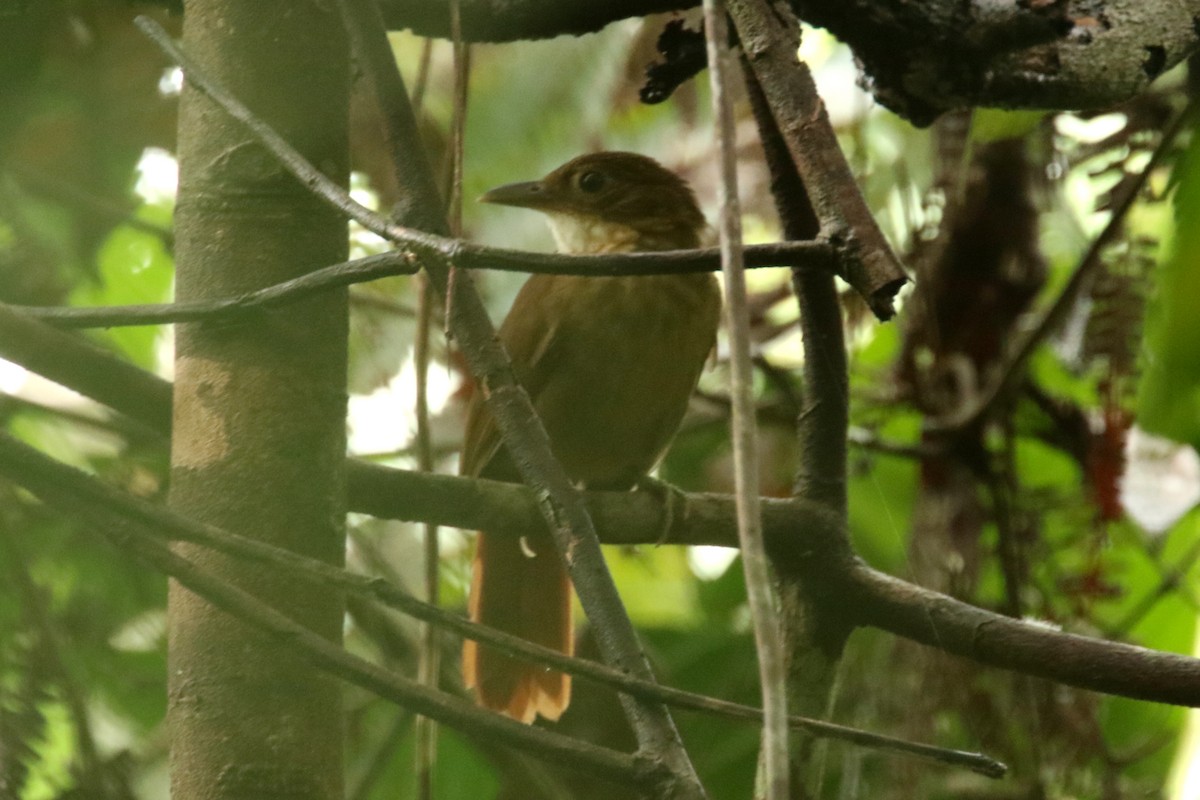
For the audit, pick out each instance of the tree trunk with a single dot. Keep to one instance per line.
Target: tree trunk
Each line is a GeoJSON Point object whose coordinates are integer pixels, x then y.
{"type": "Point", "coordinates": [259, 413]}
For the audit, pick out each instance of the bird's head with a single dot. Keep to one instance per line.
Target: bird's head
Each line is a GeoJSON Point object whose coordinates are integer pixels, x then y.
{"type": "Point", "coordinates": [611, 202]}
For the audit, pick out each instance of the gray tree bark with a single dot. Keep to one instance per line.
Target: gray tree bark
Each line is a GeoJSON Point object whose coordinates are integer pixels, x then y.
{"type": "Point", "coordinates": [259, 409]}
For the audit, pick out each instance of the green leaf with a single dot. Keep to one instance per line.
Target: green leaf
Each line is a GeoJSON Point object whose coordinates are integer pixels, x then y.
{"type": "Point", "coordinates": [995, 124]}
{"type": "Point", "coordinates": [134, 268]}
{"type": "Point", "coordinates": [1169, 394]}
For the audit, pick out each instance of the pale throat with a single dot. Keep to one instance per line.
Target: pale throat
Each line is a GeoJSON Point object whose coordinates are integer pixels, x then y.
{"type": "Point", "coordinates": [580, 234]}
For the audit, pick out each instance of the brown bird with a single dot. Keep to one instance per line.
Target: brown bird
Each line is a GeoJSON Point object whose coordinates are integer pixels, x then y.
{"type": "Point", "coordinates": [609, 363]}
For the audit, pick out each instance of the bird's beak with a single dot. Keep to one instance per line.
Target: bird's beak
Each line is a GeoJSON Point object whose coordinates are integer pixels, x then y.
{"type": "Point", "coordinates": [528, 194]}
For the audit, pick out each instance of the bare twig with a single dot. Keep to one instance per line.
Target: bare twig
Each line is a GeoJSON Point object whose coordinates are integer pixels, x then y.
{"type": "Point", "coordinates": [421, 81]}
{"type": "Point", "coordinates": [345, 273]}
{"type": "Point", "coordinates": [429, 655]}
{"type": "Point", "coordinates": [458, 124]}
{"type": "Point", "coordinates": [524, 436]}
{"type": "Point", "coordinates": [428, 658]}
{"type": "Point", "coordinates": [85, 496]}
{"type": "Point", "coordinates": [815, 628]}
{"type": "Point", "coordinates": [86, 368]}
{"type": "Point", "coordinates": [632, 770]}
{"type": "Point", "coordinates": [1039, 650]}
{"type": "Point", "coordinates": [763, 613]}
{"type": "Point", "coordinates": [374, 302]}
{"type": "Point", "coordinates": [770, 45]}
{"type": "Point", "coordinates": [406, 262]}
{"type": "Point", "coordinates": [626, 518]}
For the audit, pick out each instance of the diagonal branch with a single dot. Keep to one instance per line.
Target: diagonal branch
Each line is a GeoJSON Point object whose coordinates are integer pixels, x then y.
{"type": "Point", "coordinates": [874, 598]}
{"type": "Point", "coordinates": [632, 770]}
{"type": "Point", "coordinates": [523, 434]}
{"type": "Point", "coordinates": [74, 492]}
{"type": "Point", "coordinates": [770, 43]}
{"type": "Point", "coordinates": [815, 628]}
{"type": "Point", "coordinates": [952, 626]}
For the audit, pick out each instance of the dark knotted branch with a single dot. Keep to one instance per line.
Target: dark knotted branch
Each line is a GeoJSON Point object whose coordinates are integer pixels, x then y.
{"type": "Point", "coordinates": [923, 59]}
{"type": "Point", "coordinates": [628, 518]}
{"type": "Point", "coordinates": [1040, 650]}
{"type": "Point", "coordinates": [926, 58]}
{"type": "Point", "coordinates": [769, 43]}
{"type": "Point", "coordinates": [798, 255]}
{"type": "Point", "coordinates": [72, 491]}
{"type": "Point", "coordinates": [524, 436]}
{"type": "Point", "coordinates": [507, 21]}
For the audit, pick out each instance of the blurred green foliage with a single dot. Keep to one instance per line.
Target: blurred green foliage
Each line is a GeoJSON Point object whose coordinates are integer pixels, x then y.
{"type": "Point", "coordinates": [82, 632]}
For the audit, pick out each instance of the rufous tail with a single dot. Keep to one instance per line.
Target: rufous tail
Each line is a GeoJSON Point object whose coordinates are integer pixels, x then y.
{"type": "Point", "coordinates": [519, 586]}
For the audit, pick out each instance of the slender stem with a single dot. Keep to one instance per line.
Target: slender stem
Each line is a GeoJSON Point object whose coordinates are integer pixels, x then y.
{"type": "Point", "coordinates": [768, 644]}
{"type": "Point", "coordinates": [405, 262]}
{"type": "Point", "coordinates": [815, 629]}
{"type": "Point", "coordinates": [74, 492]}
{"type": "Point", "coordinates": [428, 663]}
{"type": "Point", "coordinates": [463, 716]}
{"type": "Point", "coordinates": [421, 81]}
{"type": "Point", "coordinates": [458, 127]}
{"type": "Point", "coordinates": [770, 38]}
{"type": "Point", "coordinates": [871, 597]}
{"type": "Point", "coordinates": [561, 505]}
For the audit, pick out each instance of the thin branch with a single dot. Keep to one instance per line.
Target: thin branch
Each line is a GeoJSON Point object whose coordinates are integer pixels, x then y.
{"type": "Point", "coordinates": [1011, 371]}
{"type": "Point", "coordinates": [631, 770]}
{"type": "Point", "coordinates": [421, 81]}
{"type": "Point", "coordinates": [491, 21]}
{"type": "Point", "coordinates": [404, 262]}
{"type": "Point", "coordinates": [816, 629]}
{"type": "Point", "coordinates": [75, 492]}
{"type": "Point", "coordinates": [428, 657]}
{"type": "Point", "coordinates": [1171, 579]}
{"type": "Point", "coordinates": [763, 611]}
{"type": "Point", "coordinates": [346, 273]}
{"type": "Point", "coordinates": [626, 518]}
{"type": "Point", "coordinates": [523, 434]}
{"type": "Point", "coordinates": [769, 39]}
{"type": "Point", "coordinates": [124, 427]}
{"type": "Point", "coordinates": [85, 368]}
{"type": "Point", "coordinates": [1040, 650]}
{"type": "Point", "coordinates": [458, 121]}
{"type": "Point", "coordinates": [373, 302]}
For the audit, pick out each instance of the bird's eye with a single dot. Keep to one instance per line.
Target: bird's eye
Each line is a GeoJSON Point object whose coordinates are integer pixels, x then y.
{"type": "Point", "coordinates": [591, 181]}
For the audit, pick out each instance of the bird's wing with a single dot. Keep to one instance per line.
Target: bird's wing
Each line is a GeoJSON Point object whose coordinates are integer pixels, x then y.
{"type": "Point", "coordinates": [533, 347]}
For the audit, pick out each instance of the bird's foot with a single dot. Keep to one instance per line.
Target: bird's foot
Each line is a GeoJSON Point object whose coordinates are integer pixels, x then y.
{"type": "Point", "coordinates": [673, 499]}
